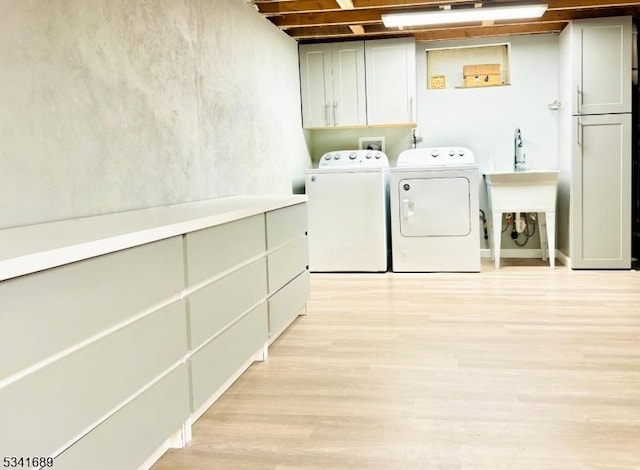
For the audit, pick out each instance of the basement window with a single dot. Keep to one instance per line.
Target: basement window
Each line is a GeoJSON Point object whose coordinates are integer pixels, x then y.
{"type": "Point", "coordinates": [468, 67]}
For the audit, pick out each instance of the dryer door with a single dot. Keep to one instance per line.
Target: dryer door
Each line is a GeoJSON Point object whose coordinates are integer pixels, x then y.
{"type": "Point", "coordinates": [435, 207]}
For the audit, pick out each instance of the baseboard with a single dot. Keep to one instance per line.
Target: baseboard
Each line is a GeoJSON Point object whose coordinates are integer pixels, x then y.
{"type": "Point", "coordinates": [514, 253]}
{"type": "Point", "coordinates": [526, 253]}
{"type": "Point", "coordinates": [564, 259]}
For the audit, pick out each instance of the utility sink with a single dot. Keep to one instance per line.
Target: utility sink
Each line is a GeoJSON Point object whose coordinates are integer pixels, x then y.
{"type": "Point", "coordinates": [523, 191]}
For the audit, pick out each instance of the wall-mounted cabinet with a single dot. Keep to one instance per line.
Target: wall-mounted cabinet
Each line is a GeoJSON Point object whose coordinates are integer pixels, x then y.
{"type": "Point", "coordinates": [468, 67]}
{"type": "Point", "coordinates": [333, 84]}
{"type": "Point", "coordinates": [391, 81]}
{"type": "Point", "coordinates": [358, 83]}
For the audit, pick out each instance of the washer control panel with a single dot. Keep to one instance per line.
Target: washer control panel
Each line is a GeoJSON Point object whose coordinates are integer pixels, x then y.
{"type": "Point", "coordinates": [354, 158]}
{"type": "Point", "coordinates": [436, 156]}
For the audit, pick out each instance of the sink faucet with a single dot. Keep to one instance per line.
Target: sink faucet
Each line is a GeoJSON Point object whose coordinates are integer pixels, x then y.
{"type": "Point", "coordinates": [518, 154]}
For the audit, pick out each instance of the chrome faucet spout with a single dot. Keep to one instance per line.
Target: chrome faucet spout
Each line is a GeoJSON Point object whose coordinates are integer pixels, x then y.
{"type": "Point", "coordinates": [518, 154]}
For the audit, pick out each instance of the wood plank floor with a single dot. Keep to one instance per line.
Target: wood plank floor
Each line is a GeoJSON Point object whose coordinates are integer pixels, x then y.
{"type": "Point", "coordinates": [520, 368]}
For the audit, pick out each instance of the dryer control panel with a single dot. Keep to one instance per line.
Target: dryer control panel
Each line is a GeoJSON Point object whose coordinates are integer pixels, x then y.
{"type": "Point", "coordinates": [354, 159]}
{"type": "Point", "coordinates": [436, 156]}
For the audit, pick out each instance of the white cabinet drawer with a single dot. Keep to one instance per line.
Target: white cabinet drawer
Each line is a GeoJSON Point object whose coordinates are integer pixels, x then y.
{"type": "Point", "coordinates": [217, 361]}
{"type": "Point", "coordinates": [287, 262]}
{"type": "Point", "coordinates": [215, 306]}
{"type": "Point", "coordinates": [288, 302]}
{"type": "Point", "coordinates": [214, 250]}
{"type": "Point", "coordinates": [286, 224]}
{"type": "Point", "coordinates": [45, 410]}
{"type": "Point", "coordinates": [147, 422]}
{"type": "Point", "coordinates": [47, 312]}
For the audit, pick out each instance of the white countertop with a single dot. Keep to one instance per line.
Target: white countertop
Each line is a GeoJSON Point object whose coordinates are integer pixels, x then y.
{"type": "Point", "coordinates": [27, 249]}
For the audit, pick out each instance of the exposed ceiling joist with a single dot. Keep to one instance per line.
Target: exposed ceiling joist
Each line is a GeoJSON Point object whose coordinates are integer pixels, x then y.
{"type": "Point", "coordinates": [373, 17]}
{"type": "Point", "coordinates": [318, 20]}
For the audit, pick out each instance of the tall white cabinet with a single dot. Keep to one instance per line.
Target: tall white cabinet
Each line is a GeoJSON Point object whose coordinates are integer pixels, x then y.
{"type": "Point", "coordinates": [595, 143]}
{"type": "Point", "coordinates": [358, 83]}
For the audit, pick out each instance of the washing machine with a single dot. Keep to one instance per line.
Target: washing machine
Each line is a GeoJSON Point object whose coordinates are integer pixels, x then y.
{"type": "Point", "coordinates": [348, 212]}
{"type": "Point", "coordinates": [435, 211]}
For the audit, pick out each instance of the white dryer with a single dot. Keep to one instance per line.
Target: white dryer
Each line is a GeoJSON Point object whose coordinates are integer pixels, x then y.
{"type": "Point", "coordinates": [348, 212]}
{"type": "Point", "coordinates": [434, 196]}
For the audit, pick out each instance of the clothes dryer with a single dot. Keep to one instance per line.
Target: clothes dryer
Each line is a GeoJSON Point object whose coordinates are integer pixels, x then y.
{"type": "Point", "coordinates": [434, 195]}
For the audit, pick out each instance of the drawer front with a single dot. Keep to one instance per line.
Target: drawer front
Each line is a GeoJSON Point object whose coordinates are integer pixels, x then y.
{"type": "Point", "coordinates": [217, 305]}
{"type": "Point", "coordinates": [214, 364]}
{"type": "Point", "coordinates": [44, 410]}
{"type": "Point", "coordinates": [286, 224]}
{"type": "Point", "coordinates": [287, 262]}
{"type": "Point", "coordinates": [127, 438]}
{"type": "Point", "coordinates": [287, 303]}
{"type": "Point", "coordinates": [214, 250]}
{"type": "Point", "coordinates": [47, 312]}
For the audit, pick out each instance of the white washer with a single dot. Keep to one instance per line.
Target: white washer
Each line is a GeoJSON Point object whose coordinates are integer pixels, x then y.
{"type": "Point", "coordinates": [348, 212]}
{"type": "Point", "coordinates": [435, 211]}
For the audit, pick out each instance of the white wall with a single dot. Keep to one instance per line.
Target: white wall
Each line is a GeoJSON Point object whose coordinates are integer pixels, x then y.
{"type": "Point", "coordinates": [397, 139]}
{"type": "Point", "coordinates": [110, 106]}
{"type": "Point", "coordinates": [484, 119]}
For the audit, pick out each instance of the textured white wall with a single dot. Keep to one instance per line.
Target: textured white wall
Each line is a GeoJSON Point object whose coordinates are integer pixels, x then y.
{"type": "Point", "coordinates": [484, 119]}
{"type": "Point", "coordinates": [116, 105]}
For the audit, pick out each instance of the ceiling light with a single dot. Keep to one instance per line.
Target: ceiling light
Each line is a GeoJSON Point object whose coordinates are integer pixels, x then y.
{"type": "Point", "coordinates": [466, 15]}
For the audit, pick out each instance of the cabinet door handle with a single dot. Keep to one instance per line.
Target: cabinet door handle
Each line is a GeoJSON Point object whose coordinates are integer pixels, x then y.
{"type": "Point", "coordinates": [579, 132]}
{"type": "Point", "coordinates": [579, 99]}
{"type": "Point", "coordinates": [326, 114]}
{"type": "Point", "coordinates": [411, 117]}
{"type": "Point", "coordinates": [335, 119]}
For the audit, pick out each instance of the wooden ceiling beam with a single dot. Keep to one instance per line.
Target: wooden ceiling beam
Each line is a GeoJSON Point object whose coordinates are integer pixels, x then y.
{"type": "Point", "coordinates": [489, 31]}
{"type": "Point", "coordinates": [309, 6]}
{"type": "Point", "coordinates": [338, 32]}
{"type": "Point", "coordinates": [578, 4]}
{"type": "Point", "coordinates": [373, 16]}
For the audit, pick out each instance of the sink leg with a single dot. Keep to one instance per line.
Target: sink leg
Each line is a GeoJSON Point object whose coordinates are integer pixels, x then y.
{"type": "Point", "coordinates": [542, 233]}
{"type": "Point", "coordinates": [491, 240]}
{"type": "Point", "coordinates": [551, 237]}
{"type": "Point", "coordinates": [496, 224]}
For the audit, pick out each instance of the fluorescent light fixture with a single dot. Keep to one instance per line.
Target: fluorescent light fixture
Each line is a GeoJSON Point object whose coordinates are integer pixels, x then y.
{"type": "Point", "coordinates": [463, 15]}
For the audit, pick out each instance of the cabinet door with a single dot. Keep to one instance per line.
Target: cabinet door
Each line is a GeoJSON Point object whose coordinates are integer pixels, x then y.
{"type": "Point", "coordinates": [316, 85]}
{"type": "Point", "coordinates": [603, 66]}
{"type": "Point", "coordinates": [601, 192]}
{"type": "Point", "coordinates": [391, 81]}
{"type": "Point", "coordinates": [349, 97]}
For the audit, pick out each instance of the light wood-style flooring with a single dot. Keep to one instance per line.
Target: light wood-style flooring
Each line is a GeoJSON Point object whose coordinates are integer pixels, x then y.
{"type": "Point", "coordinates": [520, 368]}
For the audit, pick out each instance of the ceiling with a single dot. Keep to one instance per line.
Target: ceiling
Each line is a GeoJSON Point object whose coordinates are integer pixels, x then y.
{"type": "Point", "coordinates": [337, 20]}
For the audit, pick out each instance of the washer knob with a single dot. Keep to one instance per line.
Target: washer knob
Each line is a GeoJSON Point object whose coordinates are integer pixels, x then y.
{"type": "Point", "coordinates": [377, 156]}
{"type": "Point", "coordinates": [352, 156]}
{"type": "Point", "coordinates": [327, 157]}
{"type": "Point", "coordinates": [451, 152]}
{"type": "Point", "coordinates": [435, 153]}
{"type": "Point", "coordinates": [368, 156]}
{"type": "Point", "coordinates": [336, 156]}
{"type": "Point", "coordinates": [461, 152]}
